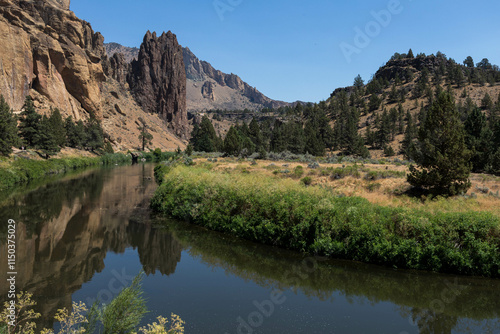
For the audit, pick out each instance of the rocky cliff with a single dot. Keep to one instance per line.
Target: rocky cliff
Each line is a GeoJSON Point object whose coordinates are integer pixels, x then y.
{"type": "Point", "coordinates": [208, 88]}
{"type": "Point", "coordinates": [57, 59]}
{"type": "Point", "coordinates": [51, 54]}
{"type": "Point", "coordinates": [158, 80]}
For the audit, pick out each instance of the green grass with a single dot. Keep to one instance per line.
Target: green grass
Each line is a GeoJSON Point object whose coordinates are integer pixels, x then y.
{"type": "Point", "coordinates": [25, 170]}
{"type": "Point", "coordinates": [285, 213]}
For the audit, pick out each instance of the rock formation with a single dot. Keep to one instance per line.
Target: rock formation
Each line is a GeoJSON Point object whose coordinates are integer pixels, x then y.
{"type": "Point", "coordinates": [158, 80]}
{"type": "Point", "coordinates": [208, 88]}
{"type": "Point", "coordinates": [47, 50]}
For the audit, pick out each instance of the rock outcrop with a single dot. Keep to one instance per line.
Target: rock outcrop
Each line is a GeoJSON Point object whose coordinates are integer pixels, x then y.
{"type": "Point", "coordinates": [208, 88]}
{"type": "Point", "coordinates": [158, 80]}
{"type": "Point", "coordinates": [47, 51]}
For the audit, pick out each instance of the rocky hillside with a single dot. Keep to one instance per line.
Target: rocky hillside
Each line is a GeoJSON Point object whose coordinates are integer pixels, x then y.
{"type": "Point", "coordinates": [57, 59]}
{"type": "Point", "coordinates": [208, 88]}
{"type": "Point", "coordinates": [129, 54]}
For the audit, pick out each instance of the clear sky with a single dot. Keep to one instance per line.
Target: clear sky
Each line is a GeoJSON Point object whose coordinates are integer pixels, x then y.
{"type": "Point", "coordinates": [296, 50]}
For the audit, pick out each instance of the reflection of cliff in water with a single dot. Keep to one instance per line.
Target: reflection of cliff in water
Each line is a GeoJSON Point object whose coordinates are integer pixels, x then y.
{"type": "Point", "coordinates": [434, 303]}
{"type": "Point", "coordinates": [66, 228]}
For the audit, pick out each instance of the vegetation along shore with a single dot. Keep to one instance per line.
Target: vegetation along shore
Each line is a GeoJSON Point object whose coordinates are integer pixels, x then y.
{"type": "Point", "coordinates": [293, 208]}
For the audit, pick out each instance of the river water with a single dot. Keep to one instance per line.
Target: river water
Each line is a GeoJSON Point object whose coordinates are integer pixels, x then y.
{"type": "Point", "coordinates": [86, 236]}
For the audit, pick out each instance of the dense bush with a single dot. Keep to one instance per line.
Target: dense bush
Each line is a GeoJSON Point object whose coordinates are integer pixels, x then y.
{"type": "Point", "coordinates": [284, 213]}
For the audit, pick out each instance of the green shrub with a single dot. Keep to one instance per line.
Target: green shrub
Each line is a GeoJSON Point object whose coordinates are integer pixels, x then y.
{"type": "Point", "coordinates": [307, 181]}
{"type": "Point", "coordinates": [298, 172]}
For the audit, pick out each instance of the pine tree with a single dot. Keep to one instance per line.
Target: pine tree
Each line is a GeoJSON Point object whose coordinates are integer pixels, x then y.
{"type": "Point", "coordinates": [358, 82]}
{"type": "Point", "coordinates": [75, 133]}
{"type": "Point", "coordinates": [204, 138]}
{"type": "Point", "coordinates": [407, 146]}
{"type": "Point", "coordinates": [469, 62]}
{"type": "Point", "coordinates": [8, 128]}
{"type": "Point", "coordinates": [441, 155]}
{"type": "Point", "coordinates": [95, 135]}
{"type": "Point", "coordinates": [410, 54]}
{"type": "Point", "coordinates": [145, 136]}
{"type": "Point", "coordinates": [57, 125]}
{"type": "Point", "coordinates": [232, 142]}
{"type": "Point", "coordinates": [478, 139]}
{"type": "Point", "coordinates": [47, 138]}
{"type": "Point", "coordinates": [30, 123]}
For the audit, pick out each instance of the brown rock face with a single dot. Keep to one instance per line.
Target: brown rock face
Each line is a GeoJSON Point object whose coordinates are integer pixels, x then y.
{"type": "Point", "coordinates": [48, 49]}
{"type": "Point", "coordinates": [158, 80]}
{"type": "Point", "coordinates": [118, 68]}
{"type": "Point", "coordinates": [207, 90]}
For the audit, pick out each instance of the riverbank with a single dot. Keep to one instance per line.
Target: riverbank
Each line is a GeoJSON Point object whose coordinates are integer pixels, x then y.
{"type": "Point", "coordinates": [284, 212]}
{"type": "Point", "coordinates": [20, 170]}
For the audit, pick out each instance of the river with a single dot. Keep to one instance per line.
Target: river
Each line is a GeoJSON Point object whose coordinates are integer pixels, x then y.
{"type": "Point", "coordinates": [85, 236]}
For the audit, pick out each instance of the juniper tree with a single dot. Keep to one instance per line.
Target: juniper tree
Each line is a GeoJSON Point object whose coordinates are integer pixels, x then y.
{"type": "Point", "coordinates": [443, 165]}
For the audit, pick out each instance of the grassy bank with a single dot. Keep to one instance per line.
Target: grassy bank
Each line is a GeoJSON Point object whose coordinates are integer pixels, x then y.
{"type": "Point", "coordinates": [21, 170]}
{"type": "Point", "coordinates": [283, 212]}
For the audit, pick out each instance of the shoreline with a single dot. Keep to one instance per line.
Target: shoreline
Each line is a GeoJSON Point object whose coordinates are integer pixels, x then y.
{"type": "Point", "coordinates": [314, 220]}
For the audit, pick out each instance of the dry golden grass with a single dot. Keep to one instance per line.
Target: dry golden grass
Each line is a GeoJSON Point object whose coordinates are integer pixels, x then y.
{"type": "Point", "coordinates": [384, 191]}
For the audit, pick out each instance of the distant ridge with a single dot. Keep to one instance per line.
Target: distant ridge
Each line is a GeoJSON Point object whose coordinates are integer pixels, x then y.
{"type": "Point", "coordinates": [209, 88]}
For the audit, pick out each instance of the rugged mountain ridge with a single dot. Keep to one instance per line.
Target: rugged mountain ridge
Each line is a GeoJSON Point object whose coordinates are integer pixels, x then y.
{"type": "Point", "coordinates": [57, 59]}
{"type": "Point", "coordinates": [208, 88]}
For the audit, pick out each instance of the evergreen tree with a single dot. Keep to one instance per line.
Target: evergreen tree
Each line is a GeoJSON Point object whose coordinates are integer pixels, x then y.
{"type": "Point", "coordinates": [407, 146]}
{"type": "Point", "coordinates": [232, 142]}
{"type": "Point", "coordinates": [441, 155]}
{"type": "Point", "coordinates": [358, 82]}
{"type": "Point", "coordinates": [47, 138]}
{"type": "Point", "coordinates": [369, 136]}
{"type": "Point", "coordinates": [8, 128]}
{"type": "Point", "coordinates": [383, 134]}
{"type": "Point", "coordinates": [145, 136]}
{"type": "Point", "coordinates": [478, 139]}
{"type": "Point", "coordinates": [487, 102]}
{"type": "Point", "coordinates": [57, 126]}
{"type": "Point", "coordinates": [354, 142]}
{"type": "Point", "coordinates": [75, 133]}
{"type": "Point", "coordinates": [30, 123]}
{"type": "Point", "coordinates": [95, 135]}
{"type": "Point", "coordinates": [204, 138]}
{"type": "Point", "coordinates": [469, 62]}
{"type": "Point", "coordinates": [314, 145]}
{"type": "Point", "coordinates": [410, 54]}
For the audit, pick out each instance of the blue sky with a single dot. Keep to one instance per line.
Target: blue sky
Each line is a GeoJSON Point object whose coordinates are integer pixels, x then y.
{"type": "Point", "coordinates": [291, 50]}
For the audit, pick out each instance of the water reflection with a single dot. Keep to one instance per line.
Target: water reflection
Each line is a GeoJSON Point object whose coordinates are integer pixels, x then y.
{"type": "Point", "coordinates": [66, 228]}
{"type": "Point", "coordinates": [432, 303]}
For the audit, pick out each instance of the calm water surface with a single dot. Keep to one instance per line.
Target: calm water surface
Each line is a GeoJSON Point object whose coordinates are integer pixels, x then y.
{"type": "Point", "coordinates": [86, 236]}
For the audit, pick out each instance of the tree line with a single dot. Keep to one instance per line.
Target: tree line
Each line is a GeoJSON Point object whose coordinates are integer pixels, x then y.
{"type": "Point", "coordinates": [48, 134]}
